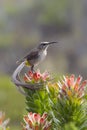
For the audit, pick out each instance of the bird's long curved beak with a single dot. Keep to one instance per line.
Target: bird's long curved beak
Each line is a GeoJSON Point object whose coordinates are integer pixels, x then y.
{"type": "Point", "coordinates": [51, 43]}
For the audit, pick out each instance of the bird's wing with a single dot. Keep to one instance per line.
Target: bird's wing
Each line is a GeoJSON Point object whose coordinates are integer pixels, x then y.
{"type": "Point", "coordinates": [32, 55]}
{"type": "Point", "coordinates": [29, 56]}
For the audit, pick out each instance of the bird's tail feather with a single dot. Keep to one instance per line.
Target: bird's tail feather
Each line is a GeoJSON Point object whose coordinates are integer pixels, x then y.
{"type": "Point", "coordinates": [19, 61]}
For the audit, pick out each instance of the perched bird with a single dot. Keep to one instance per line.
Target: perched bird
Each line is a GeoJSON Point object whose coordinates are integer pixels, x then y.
{"type": "Point", "coordinates": [35, 56]}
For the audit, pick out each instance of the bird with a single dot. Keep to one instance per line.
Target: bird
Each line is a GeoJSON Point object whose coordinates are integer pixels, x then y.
{"type": "Point", "coordinates": [36, 55]}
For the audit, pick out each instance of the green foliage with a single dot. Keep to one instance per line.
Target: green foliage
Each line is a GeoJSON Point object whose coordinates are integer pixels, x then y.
{"type": "Point", "coordinates": [66, 111]}
{"type": "Point", "coordinates": [70, 126]}
{"type": "Point", "coordinates": [37, 101]}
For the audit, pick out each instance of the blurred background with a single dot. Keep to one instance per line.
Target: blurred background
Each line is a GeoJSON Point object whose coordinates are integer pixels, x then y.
{"type": "Point", "coordinates": [23, 25]}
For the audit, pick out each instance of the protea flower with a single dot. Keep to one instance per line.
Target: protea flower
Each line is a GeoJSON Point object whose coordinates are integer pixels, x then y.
{"type": "Point", "coordinates": [36, 77]}
{"type": "Point", "coordinates": [72, 87]}
{"type": "Point", "coordinates": [3, 124]}
{"type": "Point", "coordinates": [34, 121]}
{"type": "Point", "coordinates": [71, 105]}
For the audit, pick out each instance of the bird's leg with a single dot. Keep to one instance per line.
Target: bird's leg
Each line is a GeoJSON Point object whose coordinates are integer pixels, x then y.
{"type": "Point", "coordinates": [32, 68]}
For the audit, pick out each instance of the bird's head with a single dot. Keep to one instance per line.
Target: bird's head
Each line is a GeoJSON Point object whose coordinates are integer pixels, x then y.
{"type": "Point", "coordinates": [45, 45]}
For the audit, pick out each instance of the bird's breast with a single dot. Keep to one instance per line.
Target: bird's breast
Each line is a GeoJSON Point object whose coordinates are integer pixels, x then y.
{"type": "Point", "coordinates": [42, 55]}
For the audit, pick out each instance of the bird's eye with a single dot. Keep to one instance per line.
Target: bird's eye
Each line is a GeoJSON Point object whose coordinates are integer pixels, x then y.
{"type": "Point", "coordinates": [43, 44]}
